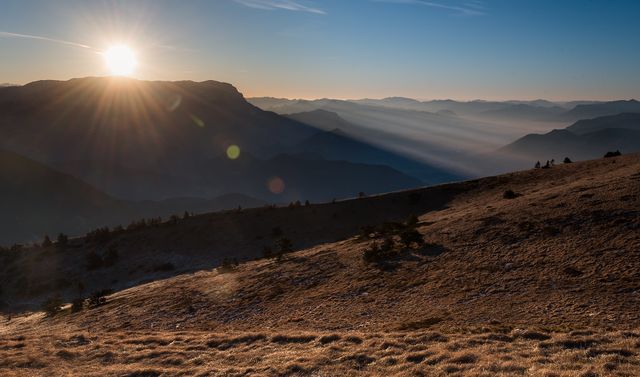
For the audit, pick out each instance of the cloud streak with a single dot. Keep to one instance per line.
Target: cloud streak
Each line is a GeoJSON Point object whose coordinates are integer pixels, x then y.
{"type": "Point", "coordinates": [290, 5]}
{"type": "Point", "coordinates": [6, 34]}
{"type": "Point", "coordinates": [472, 8]}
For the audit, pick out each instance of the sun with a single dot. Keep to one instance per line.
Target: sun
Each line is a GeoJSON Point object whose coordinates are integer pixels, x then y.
{"type": "Point", "coordinates": [120, 60]}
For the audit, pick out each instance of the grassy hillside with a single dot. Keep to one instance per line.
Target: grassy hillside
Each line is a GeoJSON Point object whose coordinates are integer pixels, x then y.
{"type": "Point", "coordinates": [530, 273]}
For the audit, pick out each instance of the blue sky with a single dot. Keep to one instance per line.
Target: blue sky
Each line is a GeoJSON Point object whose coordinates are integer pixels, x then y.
{"type": "Point", "coordinates": [462, 49]}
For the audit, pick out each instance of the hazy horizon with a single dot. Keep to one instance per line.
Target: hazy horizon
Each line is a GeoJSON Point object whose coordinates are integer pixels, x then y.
{"type": "Point", "coordinates": [532, 99]}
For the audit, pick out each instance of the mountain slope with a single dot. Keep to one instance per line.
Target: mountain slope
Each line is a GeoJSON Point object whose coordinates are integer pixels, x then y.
{"type": "Point", "coordinates": [478, 241]}
{"type": "Point", "coordinates": [154, 140]}
{"type": "Point", "coordinates": [546, 280]}
{"type": "Point", "coordinates": [587, 111]}
{"type": "Point", "coordinates": [118, 125]}
{"type": "Point", "coordinates": [37, 200]}
{"type": "Point", "coordinates": [584, 139]}
{"type": "Point", "coordinates": [625, 120]}
{"type": "Point", "coordinates": [323, 120]}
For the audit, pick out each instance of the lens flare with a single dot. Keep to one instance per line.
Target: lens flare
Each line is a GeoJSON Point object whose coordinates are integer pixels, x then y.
{"type": "Point", "coordinates": [233, 152]}
{"type": "Point", "coordinates": [198, 122]}
{"type": "Point", "coordinates": [276, 185]}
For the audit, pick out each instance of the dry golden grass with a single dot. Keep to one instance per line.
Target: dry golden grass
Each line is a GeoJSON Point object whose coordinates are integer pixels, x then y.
{"type": "Point", "coordinates": [545, 283]}
{"type": "Point", "coordinates": [475, 352]}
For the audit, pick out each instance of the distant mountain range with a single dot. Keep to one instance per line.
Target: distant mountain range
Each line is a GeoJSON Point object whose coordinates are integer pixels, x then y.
{"type": "Point", "coordinates": [536, 110]}
{"type": "Point", "coordinates": [587, 111]}
{"type": "Point", "coordinates": [582, 140]}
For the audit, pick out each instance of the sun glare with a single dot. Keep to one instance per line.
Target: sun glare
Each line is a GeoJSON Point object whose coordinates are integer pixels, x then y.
{"type": "Point", "coordinates": [120, 59]}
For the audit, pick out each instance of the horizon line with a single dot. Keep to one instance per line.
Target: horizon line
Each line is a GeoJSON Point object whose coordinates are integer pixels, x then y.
{"type": "Point", "coordinates": [294, 98]}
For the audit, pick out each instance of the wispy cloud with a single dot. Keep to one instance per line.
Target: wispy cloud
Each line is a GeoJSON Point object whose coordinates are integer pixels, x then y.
{"type": "Point", "coordinates": [6, 34]}
{"type": "Point", "coordinates": [291, 5]}
{"type": "Point", "coordinates": [470, 8]}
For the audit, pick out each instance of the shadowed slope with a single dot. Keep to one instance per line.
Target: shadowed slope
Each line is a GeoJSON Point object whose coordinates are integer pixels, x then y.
{"type": "Point", "coordinates": [563, 253]}
{"type": "Point", "coordinates": [544, 282]}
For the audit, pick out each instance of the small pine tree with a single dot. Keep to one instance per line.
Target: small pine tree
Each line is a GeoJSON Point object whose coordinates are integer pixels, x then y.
{"type": "Point", "coordinates": [226, 266]}
{"type": "Point", "coordinates": [285, 245]}
{"type": "Point", "coordinates": [47, 241]}
{"type": "Point", "coordinates": [63, 240]}
{"type": "Point", "coordinates": [77, 305]}
{"type": "Point", "coordinates": [412, 221]}
{"type": "Point", "coordinates": [567, 160]}
{"type": "Point", "coordinates": [52, 306]}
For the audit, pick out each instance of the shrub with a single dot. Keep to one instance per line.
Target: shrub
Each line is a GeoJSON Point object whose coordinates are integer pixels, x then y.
{"type": "Point", "coordinates": [155, 221]}
{"type": "Point", "coordinates": [100, 235]}
{"type": "Point", "coordinates": [372, 253]}
{"type": "Point", "coordinates": [410, 236]}
{"type": "Point", "coordinates": [47, 241]}
{"type": "Point", "coordinates": [52, 306]}
{"type": "Point", "coordinates": [63, 240]}
{"type": "Point", "coordinates": [77, 305]}
{"type": "Point", "coordinates": [412, 222]}
{"type": "Point", "coordinates": [284, 245]}
{"type": "Point", "coordinates": [227, 266]}
{"type": "Point", "coordinates": [98, 298]}
{"type": "Point", "coordinates": [510, 194]}
{"type": "Point", "coordinates": [613, 154]}
{"type": "Point", "coordinates": [367, 231]}
{"type": "Point", "coordinates": [295, 204]}
{"type": "Point", "coordinates": [567, 160]}
{"type": "Point", "coordinates": [136, 225]}
{"type": "Point", "coordinates": [379, 252]}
